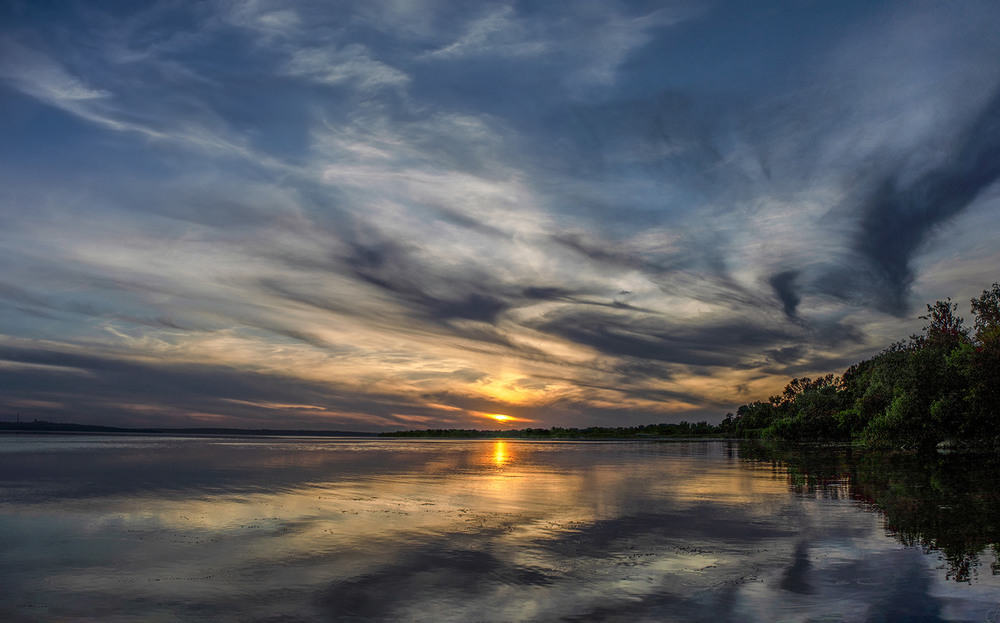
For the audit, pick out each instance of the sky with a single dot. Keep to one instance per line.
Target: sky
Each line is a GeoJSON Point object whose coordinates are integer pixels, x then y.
{"type": "Point", "coordinates": [399, 214]}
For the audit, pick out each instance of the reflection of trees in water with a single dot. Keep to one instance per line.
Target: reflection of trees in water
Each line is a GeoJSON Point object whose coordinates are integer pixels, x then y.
{"type": "Point", "coordinates": [945, 503]}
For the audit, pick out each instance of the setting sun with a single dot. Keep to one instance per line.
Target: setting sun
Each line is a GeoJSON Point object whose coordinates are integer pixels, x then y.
{"type": "Point", "coordinates": [500, 417]}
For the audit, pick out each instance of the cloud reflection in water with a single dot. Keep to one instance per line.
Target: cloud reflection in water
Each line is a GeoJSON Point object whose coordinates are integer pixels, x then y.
{"type": "Point", "coordinates": [442, 530]}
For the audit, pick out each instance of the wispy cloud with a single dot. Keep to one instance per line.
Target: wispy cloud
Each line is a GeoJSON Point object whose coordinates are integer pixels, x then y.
{"type": "Point", "coordinates": [352, 64]}
{"type": "Point", "coordinates": [42, 77]}
{"type": "Point", "coordinates": [384, 214]}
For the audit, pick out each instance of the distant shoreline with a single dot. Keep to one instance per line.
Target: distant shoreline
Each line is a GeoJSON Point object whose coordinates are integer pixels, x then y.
{"type": "Point", "coordinates": [640, 433]}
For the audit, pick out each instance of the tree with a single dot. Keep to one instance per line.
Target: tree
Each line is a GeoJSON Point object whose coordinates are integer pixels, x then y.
{"type": "Point", "coordinates": [945, 328]}
{"type": "Point", "coordinates": [938, 386]}
{"type": "Point", "coordinates": [984, 364]}
{"type": "Point", "coordinates": [752, 419]}
{"type": "Point", "coordinates": [986, 309]}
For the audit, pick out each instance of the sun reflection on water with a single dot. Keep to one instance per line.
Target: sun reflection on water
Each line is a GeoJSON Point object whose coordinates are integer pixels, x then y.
{"type": "Point", "coordinates": [501, 456]}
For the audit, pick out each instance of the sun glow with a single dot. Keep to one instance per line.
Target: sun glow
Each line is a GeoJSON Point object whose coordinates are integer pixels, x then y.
{"type": "Point", "coordinates": [501, 418]}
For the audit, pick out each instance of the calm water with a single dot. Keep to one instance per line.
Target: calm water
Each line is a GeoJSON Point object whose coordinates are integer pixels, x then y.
{"type": "Point", "coordinates": [225, 529]}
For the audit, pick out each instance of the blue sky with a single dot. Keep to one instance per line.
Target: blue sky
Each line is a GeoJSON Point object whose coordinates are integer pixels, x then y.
{"type": "Point", "coordinates": [377, 215]}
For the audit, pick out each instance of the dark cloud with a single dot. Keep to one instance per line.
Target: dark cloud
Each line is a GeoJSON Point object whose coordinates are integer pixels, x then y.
{"type": "Point", "coordinates": [643, 337]}
{"type": "Point", "coordinates": [786, 354]}
{"type": "Point", "coordinates": [900, 214]}
{"type": "Point", "coordinates": [391, 266]}
{"type": "Point", "coordinates": [642, 368]}
{"type": "Point", "coordinates": [543, 293]}
{"type": "Point", "coordinates": [598, 251]}
{"type": "Point", "coordinates": [454, 217]}
{"type": "Point", "coordinates": [784, 284]}
{"type": "Point", "coordinates": [444, 295]}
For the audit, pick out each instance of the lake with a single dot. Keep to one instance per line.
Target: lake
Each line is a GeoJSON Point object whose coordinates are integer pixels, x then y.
{"type": "Point", "coordinates": [125, 528]}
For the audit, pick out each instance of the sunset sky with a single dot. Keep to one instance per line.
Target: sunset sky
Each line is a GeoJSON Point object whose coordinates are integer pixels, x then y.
{"type": "Point", "coordinates": [378, 215]}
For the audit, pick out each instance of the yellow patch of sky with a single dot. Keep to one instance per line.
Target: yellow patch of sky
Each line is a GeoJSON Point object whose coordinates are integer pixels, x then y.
{"type": "Point", "coordinates": [437, 405]}
{"type": "Point", "coordinates": [515, 389]}
{"type": "Point", "coordinates": [502, 418]}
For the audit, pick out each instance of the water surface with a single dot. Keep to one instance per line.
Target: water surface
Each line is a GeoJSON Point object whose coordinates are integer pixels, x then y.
{"type": "Point", "coordinates": [121, 528]}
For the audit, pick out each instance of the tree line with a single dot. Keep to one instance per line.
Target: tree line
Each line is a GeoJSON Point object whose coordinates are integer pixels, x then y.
{"type": "Point", "coordinates": [939, 387]}
{"type": "Point", "coordinates": [681, 429]}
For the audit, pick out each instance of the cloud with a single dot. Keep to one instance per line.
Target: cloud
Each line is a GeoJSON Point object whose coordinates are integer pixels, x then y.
{"type": "Point", "coordinates": [721, 343]}
{"type": "Point", "coordinates": [783, 284]}
{"type": "Point", "coordinates": [40, 76]}
{"type": "Point", "coordinates": [603, 213]}
{"type": "Point", "coordinates": [350, 65]}
{"type": "Point", "coordinates": [498, 33]}
{"type": "Point", "coordinates": [899, 215]}
{"type": "Point", "coordinates": [125, 391]}
{"type": "Point", "coordinates": [265, 16]}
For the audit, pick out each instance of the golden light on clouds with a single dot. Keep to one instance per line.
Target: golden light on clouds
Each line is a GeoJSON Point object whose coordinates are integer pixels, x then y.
{"type": "Point", "coordinates": [501, 418]}
{"type": "Point", "coordinates": [517, 389]}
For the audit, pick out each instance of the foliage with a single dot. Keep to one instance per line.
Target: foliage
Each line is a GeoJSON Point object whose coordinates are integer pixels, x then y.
{"type": "Point", "coordinates": [940, 387]}
{"type": "Point", "coordinates": [987, 311]}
